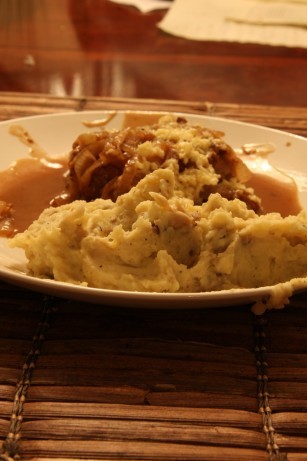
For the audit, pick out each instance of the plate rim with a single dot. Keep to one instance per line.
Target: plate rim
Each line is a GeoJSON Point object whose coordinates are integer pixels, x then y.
{"type": "Point", "coordinates": [218, 298]}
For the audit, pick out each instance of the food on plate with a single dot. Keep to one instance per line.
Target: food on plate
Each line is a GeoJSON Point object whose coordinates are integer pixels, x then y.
{"type": "Point", "coordinates": [165, 207]}
{"type": "Point", "coordinates": [153, 240]}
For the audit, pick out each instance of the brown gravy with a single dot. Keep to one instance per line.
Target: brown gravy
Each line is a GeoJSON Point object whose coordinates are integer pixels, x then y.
{"type": "Point", "coordinates": [278, 191]}
{"type": "Point", "coordinates": [279, 196]}
{"type": "Point", "coordinates": [30, 185]}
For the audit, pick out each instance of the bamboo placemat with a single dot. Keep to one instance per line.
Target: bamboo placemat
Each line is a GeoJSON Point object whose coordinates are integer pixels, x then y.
{"type": "Point", "coordinates": [82, 381]}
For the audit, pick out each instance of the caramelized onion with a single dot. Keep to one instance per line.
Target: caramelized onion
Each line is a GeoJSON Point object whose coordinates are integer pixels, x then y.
{"type": "Point", "coordinates": [106, 164]}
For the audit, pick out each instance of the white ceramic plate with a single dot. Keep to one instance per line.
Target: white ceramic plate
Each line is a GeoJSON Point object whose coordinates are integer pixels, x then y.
{"type": "Point", "coordinates": [55, 133]}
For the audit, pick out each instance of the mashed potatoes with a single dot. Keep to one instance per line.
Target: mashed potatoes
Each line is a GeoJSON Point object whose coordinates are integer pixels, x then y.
{"type": "Point", "coordinates": [151, 240]}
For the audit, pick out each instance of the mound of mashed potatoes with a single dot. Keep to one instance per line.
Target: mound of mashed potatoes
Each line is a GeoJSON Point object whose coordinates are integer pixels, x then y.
{"type": "Point", "coordinates": [153, 240]}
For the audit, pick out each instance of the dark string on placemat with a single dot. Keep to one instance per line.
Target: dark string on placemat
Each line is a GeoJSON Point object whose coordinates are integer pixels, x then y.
{"type": "Point", "coordinates": [263, 390]}
{"type": "Point", "coordinates": [10, 447]}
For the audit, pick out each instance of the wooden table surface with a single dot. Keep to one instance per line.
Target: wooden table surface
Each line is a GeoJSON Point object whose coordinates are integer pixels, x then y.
{"type": "Point", "coordinates": [99, 48]}
{"type": "Point", "coordinates": [85, 381]}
